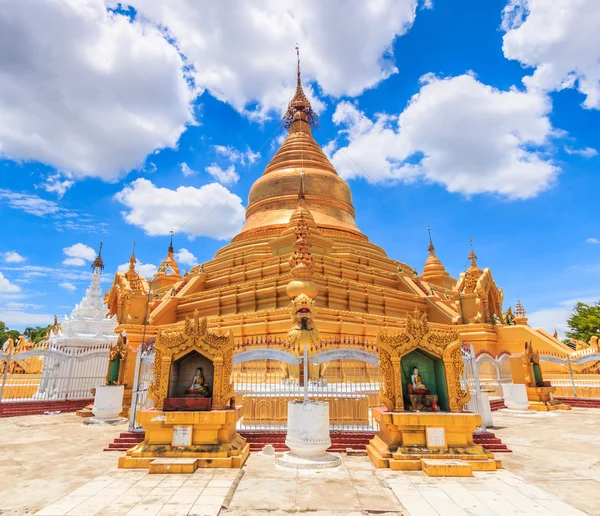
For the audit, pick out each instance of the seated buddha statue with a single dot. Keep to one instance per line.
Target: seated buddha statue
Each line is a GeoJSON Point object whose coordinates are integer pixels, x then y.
{"type": "Point", "coordinates": [416, 382]}
{"type": "Point", "coordinates": [198, 389]}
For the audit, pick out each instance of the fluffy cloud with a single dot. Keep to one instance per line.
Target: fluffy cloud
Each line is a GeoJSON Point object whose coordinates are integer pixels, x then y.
{"type": "Point", "coordinates": [185, 257]}
{"type": "Point", "coordinates": [85, 89]}
{"type": "Point", "coordinates": [236, 156]}
{"type": "Point", "coordinates": [143, 269]}
{"type": "Point", "coordinates": [226, 176]}
{"type": "Point", "coordinates": [242, 51]}
{"type": "Point", "coordinates": [6, 286]}
{"type": "Point", "coordinates": [186, 170]}
{"type": "Point", "coordinates": [55, 184]}
{"type": "Point", "coordinates": [78, 254]}
{"type": "Point", "coordinates": [19, 320]}
{"type": "Point", "coordinates": [593, 241]}
{"type": "Point", "coordinates": [67, 286]}
{"type": "Point", "coordinates": [13, 257]}
{"type": "Point", "coordinates": [465, 135]}
{"type": "Point", "coordinates": [586, 152]}
{"type": "Point", "coordinates": [210, 210]}
{"type": "Point", "coordinates": [560, 39]}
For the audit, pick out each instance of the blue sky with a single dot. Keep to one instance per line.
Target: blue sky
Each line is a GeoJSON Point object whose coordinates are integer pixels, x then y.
{"type": "Point", "coordinates": [121, 122]}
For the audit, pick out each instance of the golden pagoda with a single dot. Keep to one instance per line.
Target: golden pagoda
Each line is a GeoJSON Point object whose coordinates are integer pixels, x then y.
{"type": "Point", "coordinates": [361, 290]}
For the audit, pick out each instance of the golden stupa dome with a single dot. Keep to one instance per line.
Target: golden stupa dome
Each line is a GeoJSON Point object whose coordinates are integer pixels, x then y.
{"type": "Point", "coordinates": [274, 196]}
{"type": "Point", "coordinates": [434, 270]}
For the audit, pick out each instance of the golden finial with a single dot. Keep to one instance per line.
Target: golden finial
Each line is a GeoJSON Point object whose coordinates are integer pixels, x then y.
{"type": "Point", "coordinates": [431, 249]}
{"type": "Point", "coordinates": [472, 255]}
{"type": "Point", "coordinates": [132, 259]}
{"type": "Point", "coordinates": [98, 263]}
{"type": "Point", "coordinates": [519, 311]}
{"type": "Point", "coordinates": [171, 250]}
{"type": "Point", "coordinates": [299, 102]}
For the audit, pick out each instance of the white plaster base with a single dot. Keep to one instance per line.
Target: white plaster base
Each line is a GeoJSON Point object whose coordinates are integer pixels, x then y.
{"type": "Point", "coordinates": [108, 402]}
{"type": "Point", "coordinates": [96, 421]}
{"type": "Point", "coordinates": [308, 428]}
{"type": "Point", "coordinates": [515, 396]}
{"type": "Point", "coordinates": [327, 460]}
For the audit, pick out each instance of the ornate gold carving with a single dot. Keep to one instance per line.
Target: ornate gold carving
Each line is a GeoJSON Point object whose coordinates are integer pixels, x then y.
{"type": "Point", "coordinates": [443, 344]}
{"type": "Point", "coordinates": [118, 350]}
{"type": "Point", "coordinates": [303, 323]}
{"type": "Point", "coordinates": [173, 345]}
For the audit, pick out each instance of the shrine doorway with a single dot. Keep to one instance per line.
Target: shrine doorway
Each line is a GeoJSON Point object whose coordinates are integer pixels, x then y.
{"type": "Point", "coordinates": [183, 371]}
{"type": "Point", "coordinates": [432, 372]}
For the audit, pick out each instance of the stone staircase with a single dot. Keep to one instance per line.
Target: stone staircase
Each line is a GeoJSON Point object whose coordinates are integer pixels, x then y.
{"type": "Point", "coordinates": [340, 441]}
{"type": "Point", "coordinates": [497, 404]}
{"type": "Point", "coordinates": [29, 408]}
{"type": "Point", "coordinates": [579, 402]}
{"type": "Point", "coordinates": [125, 441]}
{"type": "Point", "coordinates": [490, 442]}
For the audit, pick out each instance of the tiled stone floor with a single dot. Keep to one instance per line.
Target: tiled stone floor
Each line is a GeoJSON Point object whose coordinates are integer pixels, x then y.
{"type": "Point", "coordinates": [53, 464]}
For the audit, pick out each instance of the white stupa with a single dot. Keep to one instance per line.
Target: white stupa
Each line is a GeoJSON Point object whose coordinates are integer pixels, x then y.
{"type": "Point", "coordinates": [88, 323]}
{"type": "Point", "coordinates": [77, 354]}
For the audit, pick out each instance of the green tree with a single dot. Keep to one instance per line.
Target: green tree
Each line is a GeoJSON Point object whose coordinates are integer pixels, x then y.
{"type": "Point", "coordinates": [584, 322]}
{"type": "Point", "coordinates": [5, 333]}
{"type": "Point", "coordinates": [36, 334]}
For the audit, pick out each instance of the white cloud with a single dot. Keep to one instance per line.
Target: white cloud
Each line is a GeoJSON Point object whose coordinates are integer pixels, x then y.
{"type": "Point", "coordinates": [78, 254]}
{"type": "Point", "coordinates": [593, 241]}
{"type": "Point", "coordinates": [29, 203]}
{"type": "Point", "coordinates": [560, 39]}
{"type": "Point", "coordinates": [16, 319]}
{"type": "Point", "coordinates": [87, 90]}
{"type": "Point", "coordinates": [236, 156]}
{"type": "Point", "coordinates": [185, 257]}
{"type": "Point", "coordinates": [186, 170]}
{"type": "Point", "coordinates": [6, 286]}
{"type": "Point", "coordinates": [13, 257]}
{"type": "Point", "coordinates": [550, 319]}
{"type": "Point", "coordinates": [33, 273]}
{"type": "Point", "coordinates": [67, 286]}
{"type": "Point", "coordinates": [586, 152]}
{"type": "Point", "coordinates": [77, 262]}
{"type": "Point", "coordinates": [210, 210]}
{"type": "Point", "coordinates": [226, 176]}
{"type": "Point", "coordinates": [242, 51]}
{"type": "Point", "coordinates": [143, 269]}
{"type": "Point", "coordinates": [54, 184]}
{"type": "Point", "coordinates": [465, 135]}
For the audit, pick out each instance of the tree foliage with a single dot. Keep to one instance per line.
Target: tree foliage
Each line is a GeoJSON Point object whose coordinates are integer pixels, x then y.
{"type": "Point", "coordinates": [584, 322]}
{"type": "Point", "coordinates": [5, 333]}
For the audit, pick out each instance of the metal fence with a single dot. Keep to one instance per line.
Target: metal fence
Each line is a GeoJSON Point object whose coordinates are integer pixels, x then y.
{"type": "Point", "coordinates": [139, 399]}
{"type": "Point", "coordinates": [47, 372]}
{"type": "Point", "coordinates": [343, 372]}
{"type": "Point", "coordinates": [470, 379]}
{"type": "Point", "coordinates": [571, 383]}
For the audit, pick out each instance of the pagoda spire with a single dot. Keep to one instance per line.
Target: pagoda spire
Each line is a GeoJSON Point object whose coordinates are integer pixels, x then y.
{"type": "Point", "coordinates": [472, 255]}
{"type": "Point", "coordinates": [430, 248]}
{"type": "Point", "coordinates": [98, 264]}
{"type": "Point", "coordinates": [299, 103]}
{"type": "Point", "coordinates": [132, 259]}
{"type": "Point", "coordinates": [171, 250]}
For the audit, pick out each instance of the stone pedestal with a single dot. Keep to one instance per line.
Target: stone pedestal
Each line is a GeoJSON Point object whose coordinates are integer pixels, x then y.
{"type": "Point", "coordinates": [540, 399]}
{"type": "Point", "coordinates": [515, 396]}
{"type": "Point", "coordinates": [181, 442]}
{"type": "Point", "coordinates": [308, 436]}
{"type": "Point", "coordinates": [410, 440]}
{"type": "Point", "coordinates": [108, 404]}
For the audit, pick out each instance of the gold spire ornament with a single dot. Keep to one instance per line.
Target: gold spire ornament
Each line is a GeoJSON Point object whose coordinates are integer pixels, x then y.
{"type": "Point", "coordinates": [98, 264]}
{"type": "Point", "coordinates": [132, 259]}
{"type": "Point", "coordinates": [299, 103]}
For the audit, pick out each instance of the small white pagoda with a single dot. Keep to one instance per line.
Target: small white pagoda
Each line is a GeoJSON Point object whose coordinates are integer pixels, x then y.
{"type": "Point", "coordinates": [88, 324]}
{"type": "Point", "coordinates": [77, 354]}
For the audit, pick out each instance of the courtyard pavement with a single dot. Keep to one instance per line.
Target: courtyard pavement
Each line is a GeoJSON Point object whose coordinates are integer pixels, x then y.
{"type": "Point", "coordinates": [55, 465]}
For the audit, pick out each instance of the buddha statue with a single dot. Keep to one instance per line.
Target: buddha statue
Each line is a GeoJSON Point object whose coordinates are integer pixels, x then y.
{"type": "Point", "coordinates": [198, 389]}
{"type": "Point", "coordinates": [418, 387]}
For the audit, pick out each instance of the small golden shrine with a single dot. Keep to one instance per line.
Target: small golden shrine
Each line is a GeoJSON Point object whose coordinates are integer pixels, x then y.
{"type": "Point", "coordinates": [526, 369]}
{"type": "Point", "coordinates": [423, 425]}
{"type": "Point", "coordinates": [193, 422]}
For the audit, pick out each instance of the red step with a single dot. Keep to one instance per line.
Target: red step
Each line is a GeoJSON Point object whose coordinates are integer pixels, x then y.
{"type": "Point", "coordinates": [579, 402]}
{"type": "Point", "coordinates": [29, 408]}
{"type": "Point", "coordinates": [497, 404]}
{"type": "Point", "coordinates": [490, 442]}
{"type": "Point", "coordinates": [340, 441]}
{"type": "Point", "coordinates": [125, 441]}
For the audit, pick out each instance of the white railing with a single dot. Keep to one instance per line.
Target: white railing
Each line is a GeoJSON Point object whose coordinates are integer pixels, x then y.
{"type": "Point", "coordinates": [52, 373]}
